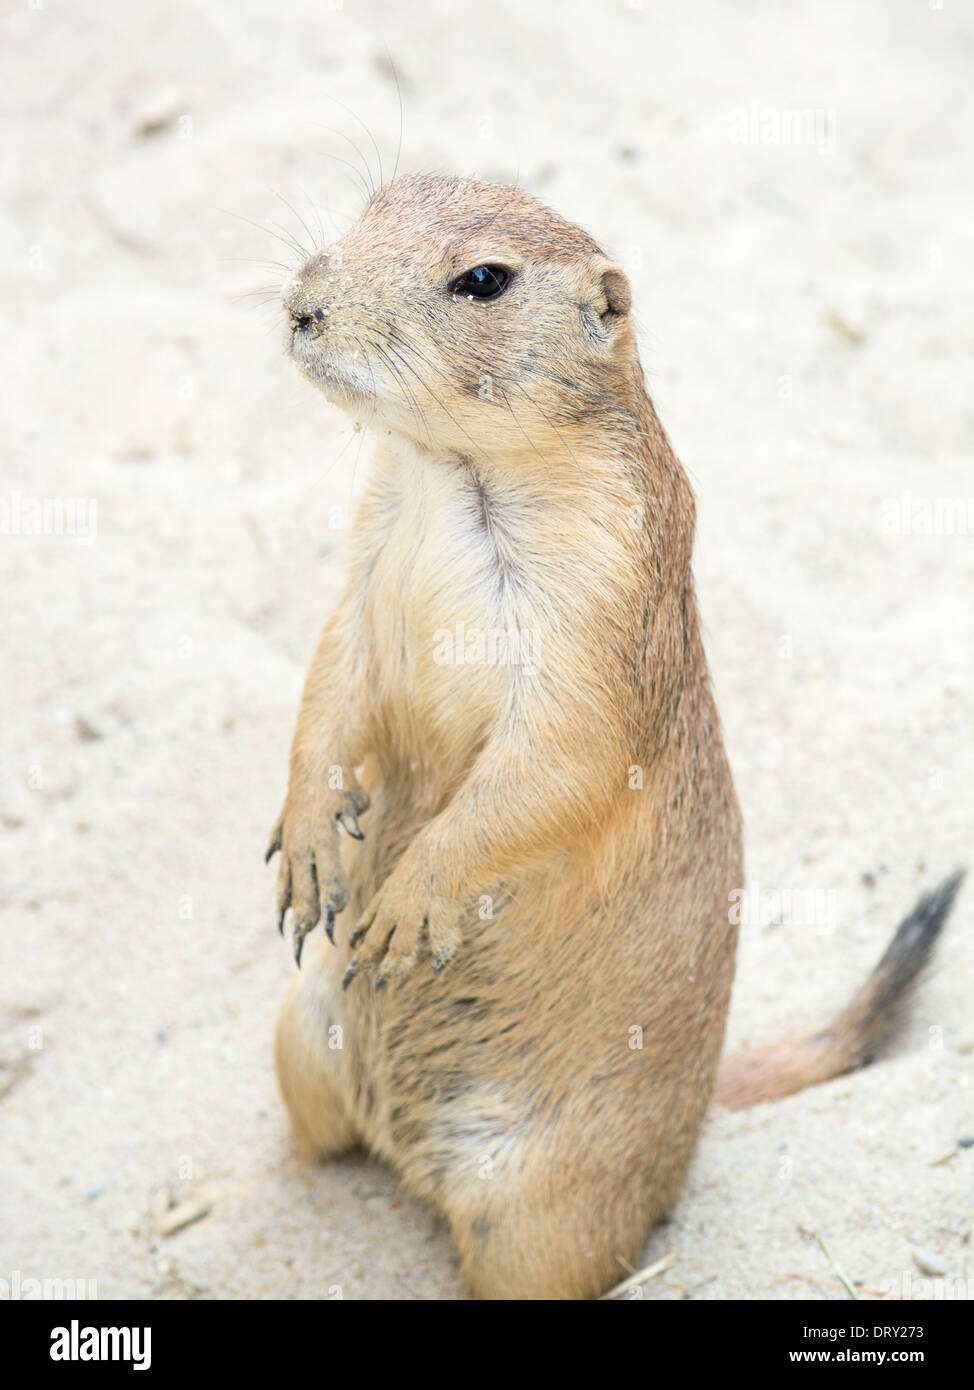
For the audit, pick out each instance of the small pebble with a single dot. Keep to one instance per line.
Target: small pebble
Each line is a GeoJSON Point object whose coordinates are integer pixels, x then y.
{"type": "Point", "coordinates": [928, 1262]}
{"type": "Point", "coordinates": [86, 729]}
{"type": "Point", "coordinates": [155, 111]}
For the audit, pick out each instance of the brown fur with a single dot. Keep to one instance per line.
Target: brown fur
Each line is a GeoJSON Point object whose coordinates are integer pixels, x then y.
{"type": "Point", "coordinates": [549, 853]}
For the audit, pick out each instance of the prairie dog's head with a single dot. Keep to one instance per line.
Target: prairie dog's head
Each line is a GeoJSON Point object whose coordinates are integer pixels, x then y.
{"type": "Point", "coordinates": [467, 316]}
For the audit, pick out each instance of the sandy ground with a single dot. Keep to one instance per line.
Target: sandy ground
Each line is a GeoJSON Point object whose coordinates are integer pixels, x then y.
{"type": "Point", "coordinates": [802, 293]}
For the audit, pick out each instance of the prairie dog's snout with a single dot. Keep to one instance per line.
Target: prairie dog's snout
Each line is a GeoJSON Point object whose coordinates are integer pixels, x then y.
{"type": "Point", "coordinates": [323, 329]}
{"type": "Point", "coordinates": [306, 292]}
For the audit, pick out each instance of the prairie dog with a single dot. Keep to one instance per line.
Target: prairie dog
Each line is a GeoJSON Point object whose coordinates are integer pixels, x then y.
{"type": "Point", "coordinates": [532, 970]}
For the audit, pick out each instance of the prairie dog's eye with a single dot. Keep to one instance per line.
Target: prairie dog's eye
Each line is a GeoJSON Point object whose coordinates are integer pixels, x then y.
{"type": "Point", "coordinates": [483, 282]}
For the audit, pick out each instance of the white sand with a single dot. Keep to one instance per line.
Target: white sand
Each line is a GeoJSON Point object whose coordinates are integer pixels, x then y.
{"type": "Point", "coordinates": [151, 677]}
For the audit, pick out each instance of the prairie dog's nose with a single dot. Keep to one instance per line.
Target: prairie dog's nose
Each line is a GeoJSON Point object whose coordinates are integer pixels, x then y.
{"type": "Point", "coordinates": [303, 293]}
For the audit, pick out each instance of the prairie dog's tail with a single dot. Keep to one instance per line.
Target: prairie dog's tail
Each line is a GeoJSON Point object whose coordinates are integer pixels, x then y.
{"type": "Point", "coordinates": [778, 1069]}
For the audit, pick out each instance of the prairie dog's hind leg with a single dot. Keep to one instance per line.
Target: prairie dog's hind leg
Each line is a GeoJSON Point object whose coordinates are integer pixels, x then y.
{"type": "Point", "coordinates": [514, 1249]}
{"type": "Point", "coordinates": [307, 1052]}
{"type": "Point", "coordinates": [541, 1224]}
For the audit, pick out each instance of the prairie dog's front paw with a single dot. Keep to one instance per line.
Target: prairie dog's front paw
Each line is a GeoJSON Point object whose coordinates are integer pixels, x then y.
{"type": "Point", "coordinates": [311, 877]}
{"type": "Point", "coordinates": [402, 922]}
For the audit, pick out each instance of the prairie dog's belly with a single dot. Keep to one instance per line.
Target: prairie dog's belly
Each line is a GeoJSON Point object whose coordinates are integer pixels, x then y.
{"type": "Point", "coordinates": [439, 624]}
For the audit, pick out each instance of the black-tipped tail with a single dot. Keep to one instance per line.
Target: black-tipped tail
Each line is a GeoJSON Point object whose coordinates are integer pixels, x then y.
{"type": "Point", "coordinates": [852, 1039]}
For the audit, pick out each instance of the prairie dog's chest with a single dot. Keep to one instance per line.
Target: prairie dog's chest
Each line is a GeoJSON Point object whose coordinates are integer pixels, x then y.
{"type": "Point", "coordinates": [441, 607]}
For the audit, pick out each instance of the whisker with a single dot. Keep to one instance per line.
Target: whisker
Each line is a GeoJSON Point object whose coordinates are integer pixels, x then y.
{"type": "Point", "coordinates": [551, 425]}
{"type": "Point", "coordinates": [314, 207]}
{"type": "Point", "coordinates": [265, 293]}
{"type": "Point", "coordinates": [296, 245]}
{"type": "Point", "coordinates": [375, 401]}
{"type": "Point", "coordinates": [257, 260]}
{"type": "Point", "coordinates": [426, 386]}
{"type": "Point", "coordinates": [507, 402]}
{"type": "Point", "coordinates": [364, 351]}
{"type": "Point", "coordinates": [517, 422]}
{"type": "Point", "coordinates": [410, 346]}
{"type": "Point", "coordinates": [363, 187]}
{"type": "Point", "coordinates": [486, 367]}
{"type": "Point", "coordinates": [365, 128]}
{"type": "Point", "coordinates": [293, 209]}
{"type": "Point", "coordinates": [339, 232]}
{"type": "Point", "coordinates": [267, 228]}
{"type": "Point", "coordinates": [349, 141]}
{"type": "Point", "coordinates": [316, 482]}
{"type": "Point", "coordinates": [395, 77]}
{"type": "Point", "coordinates": [408, 394]}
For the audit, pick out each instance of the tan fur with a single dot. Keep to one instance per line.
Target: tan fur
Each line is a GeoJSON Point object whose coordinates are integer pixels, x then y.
{"type": "Point", "coordinates": [560, 842]}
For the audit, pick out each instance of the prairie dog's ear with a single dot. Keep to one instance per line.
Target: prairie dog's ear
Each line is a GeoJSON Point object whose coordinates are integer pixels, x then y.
{"type": "Point", "coordinates": [614, 294]}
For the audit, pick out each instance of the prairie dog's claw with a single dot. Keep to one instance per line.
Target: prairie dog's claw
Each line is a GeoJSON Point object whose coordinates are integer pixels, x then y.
{"type": "Point", "coordinates": [299, 934]}
{"type": "Point", "coordinates": [348, 822]}
{"type": "Point", "coordinates": [311, 880]}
